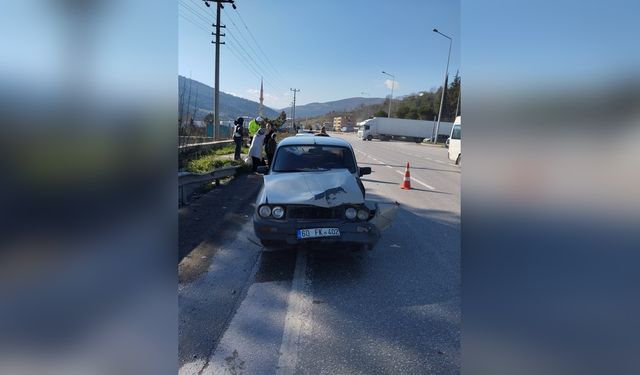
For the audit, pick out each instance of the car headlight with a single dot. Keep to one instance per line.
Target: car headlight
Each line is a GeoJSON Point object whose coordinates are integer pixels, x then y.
{"type": "Point", "coordinates": [350, 213]}
{"type": "Point", "coordinates": [363, 214]}
{"type": "Point", "coordinates": [277, 212]}
{"type": "Point", "coordinates": [264, 211]}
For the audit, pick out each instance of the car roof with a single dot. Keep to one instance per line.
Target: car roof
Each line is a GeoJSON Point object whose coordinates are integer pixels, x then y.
{"type": "Point", "coordinates": [314, 140]}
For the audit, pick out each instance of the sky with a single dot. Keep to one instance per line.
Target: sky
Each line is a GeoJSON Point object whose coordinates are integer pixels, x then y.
{"type": "Point", "coordinates": [330, 49]}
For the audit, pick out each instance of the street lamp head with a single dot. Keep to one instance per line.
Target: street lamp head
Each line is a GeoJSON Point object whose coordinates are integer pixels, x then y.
{"type": "Point", "coordinates": [435, 30]}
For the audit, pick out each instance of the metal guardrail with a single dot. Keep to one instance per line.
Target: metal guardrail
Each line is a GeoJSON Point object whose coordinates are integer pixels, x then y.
{"type": "Point", "coordinates": [188, 182]}
{"type": "Point", "coordinates": [223, 143]}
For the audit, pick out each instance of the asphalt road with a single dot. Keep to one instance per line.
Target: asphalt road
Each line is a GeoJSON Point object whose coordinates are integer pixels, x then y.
{"type": "Point", "coordinates": [393, 310]}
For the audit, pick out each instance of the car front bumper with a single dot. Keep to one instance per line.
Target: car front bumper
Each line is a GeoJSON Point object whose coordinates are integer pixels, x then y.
{"type": "Point", "coordinates": [351, 233]}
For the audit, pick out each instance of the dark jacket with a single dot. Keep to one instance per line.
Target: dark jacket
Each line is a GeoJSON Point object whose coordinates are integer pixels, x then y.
{"type": "Point", "coordinates": [238, 130]}
{"type": "Point", "coordinates": [270, 144]}
{"type": "Point", "coordinates": [267, 139]}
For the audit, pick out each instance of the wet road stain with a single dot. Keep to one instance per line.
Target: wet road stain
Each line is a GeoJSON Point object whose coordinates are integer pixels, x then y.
{"type": "Point", "coordinates": [276, 265]}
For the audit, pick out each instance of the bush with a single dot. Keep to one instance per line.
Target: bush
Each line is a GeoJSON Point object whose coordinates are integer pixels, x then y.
{"type": "Point", "coordinates": [208, 163]}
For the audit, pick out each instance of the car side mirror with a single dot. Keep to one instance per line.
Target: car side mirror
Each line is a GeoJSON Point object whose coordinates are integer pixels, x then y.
{"type": "Point", "coordinates": [446, 143]}
{"type": "Point", "coordinates": [364, 170]}
{"type": "Point", "coordinates": [263, 169]}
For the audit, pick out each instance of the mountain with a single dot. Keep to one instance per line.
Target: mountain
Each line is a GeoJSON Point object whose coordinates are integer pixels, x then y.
{"type": "Point", "coordinates": [343, 105]}
{"type": "Point", "coordinates": [231, 106]}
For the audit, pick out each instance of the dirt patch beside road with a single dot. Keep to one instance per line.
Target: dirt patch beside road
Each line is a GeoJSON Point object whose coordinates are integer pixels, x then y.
{"type": "Point", "coordinates": [212, 219]}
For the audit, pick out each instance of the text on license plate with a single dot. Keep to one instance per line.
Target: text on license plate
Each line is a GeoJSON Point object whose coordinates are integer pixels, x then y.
{"type": "Point", "coordinates": [318, 232]}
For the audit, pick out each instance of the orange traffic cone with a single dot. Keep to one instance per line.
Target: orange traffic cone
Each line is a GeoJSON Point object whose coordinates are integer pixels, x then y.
{"type": "Point", "coordinates": [406, 184]}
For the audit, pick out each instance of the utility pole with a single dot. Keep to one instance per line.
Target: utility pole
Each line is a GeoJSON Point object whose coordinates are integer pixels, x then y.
{"type": "Point", "coordinates": [293, 111]}
{"type": "Point", "coordinates": [216, 100]}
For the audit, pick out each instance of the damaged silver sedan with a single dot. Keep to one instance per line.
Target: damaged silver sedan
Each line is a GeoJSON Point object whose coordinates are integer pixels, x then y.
{"type": "Point", "coordinates": [313, 194]}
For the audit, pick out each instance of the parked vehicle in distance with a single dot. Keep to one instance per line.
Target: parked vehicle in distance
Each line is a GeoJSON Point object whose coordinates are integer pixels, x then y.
{"type": "Point", "coordinates": [313, 194]}
{"type": "Point", "coordinates": [385, 129]}
{"type": "Point", "coordinates": [454, 143]}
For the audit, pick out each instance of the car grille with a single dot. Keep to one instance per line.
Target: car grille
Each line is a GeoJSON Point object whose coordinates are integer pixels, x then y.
{"type": "Point", "coordinates": [314, 213]}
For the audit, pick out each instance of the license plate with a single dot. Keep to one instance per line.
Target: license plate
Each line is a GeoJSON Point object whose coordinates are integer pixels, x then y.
{"type": "Point", "coordinates": [318, 232]}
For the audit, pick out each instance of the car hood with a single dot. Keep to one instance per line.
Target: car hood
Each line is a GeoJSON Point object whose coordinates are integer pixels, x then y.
{"type": "Point", "coordinates": [324, 189]}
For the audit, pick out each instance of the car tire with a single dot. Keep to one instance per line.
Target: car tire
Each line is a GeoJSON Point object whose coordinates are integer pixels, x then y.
{"type": "Point", "coordinates": [369, 138]}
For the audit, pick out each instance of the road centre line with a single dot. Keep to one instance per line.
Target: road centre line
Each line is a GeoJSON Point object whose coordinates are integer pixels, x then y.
{"type": "Point", "coordinates": [418, 181]}
{"type": "Point", "coordinates": [298, 319]}
{"type": "Point", "coordinates": [402, 173]}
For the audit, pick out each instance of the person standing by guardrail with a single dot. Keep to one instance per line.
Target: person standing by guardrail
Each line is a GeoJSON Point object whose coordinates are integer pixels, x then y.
{"type": "Point", "coordinates": [255, 151]}
{"type": "Point", "coordinates": [238, 134]}
{"type": "Point", "coordinates": [270, 145]}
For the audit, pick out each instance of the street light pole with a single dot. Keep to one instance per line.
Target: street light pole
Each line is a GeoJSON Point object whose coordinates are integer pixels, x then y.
{"type": "Point", "coordinates": [446, 73]}
{"type": "Point", "coordinates": [393, 82]}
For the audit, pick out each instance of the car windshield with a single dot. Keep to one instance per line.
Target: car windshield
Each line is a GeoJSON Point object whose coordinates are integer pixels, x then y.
{"type": "Point", "coordinates": [310, 158]}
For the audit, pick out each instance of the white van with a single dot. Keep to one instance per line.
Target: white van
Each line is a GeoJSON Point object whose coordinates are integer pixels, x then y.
{"type": "Point", "coordinates": [454, 142]}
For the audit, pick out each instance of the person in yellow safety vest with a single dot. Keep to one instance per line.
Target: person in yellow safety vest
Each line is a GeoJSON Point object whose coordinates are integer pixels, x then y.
{"type": "Point", "coordinates": [254, 125]}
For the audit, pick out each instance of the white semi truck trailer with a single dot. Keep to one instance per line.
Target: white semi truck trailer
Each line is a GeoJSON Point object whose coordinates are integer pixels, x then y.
{"type": "Point", "coordinates": [384, 129]}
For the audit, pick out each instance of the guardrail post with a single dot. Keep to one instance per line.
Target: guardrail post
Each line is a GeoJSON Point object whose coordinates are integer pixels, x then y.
{"type": "Point", "coordinates": [187, 181]}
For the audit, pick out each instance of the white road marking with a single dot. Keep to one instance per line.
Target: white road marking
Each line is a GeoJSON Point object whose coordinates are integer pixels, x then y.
{"type": "Point", "coordinates": [418, 181]}
{"type": "Point", "coordinates": [388, 166]}
{"type": "Point", "coordinates": [249, 342]}
{"type": "Point", "coordinates": [298, 319]}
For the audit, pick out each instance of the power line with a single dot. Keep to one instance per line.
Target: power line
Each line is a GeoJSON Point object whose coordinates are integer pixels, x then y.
{"type": "Point", "coordinates": [256, 58]}
{"type": "Point", "coordinates": [253, 65]}
{"type": "Point", "coordinates": [240, 34]}
{"type": "Point", "coordinates": [194, 12]}
{"type": "Point", "coordinates": [236, 53]}
{"type": "Point", "coordinates": [257, 44]}
{"type": "Point", "coordinates": [250, 59]}
{"type": "Point", "coordinates": [253, 55]}
{"type": "Point", "coordinates": [256, 54]}
{"type": "Point", "coordinates": [192, 21]}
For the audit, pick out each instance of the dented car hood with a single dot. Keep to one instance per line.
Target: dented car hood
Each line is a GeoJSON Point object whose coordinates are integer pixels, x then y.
{"type": "Point", "coordinates": [324, 189]}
